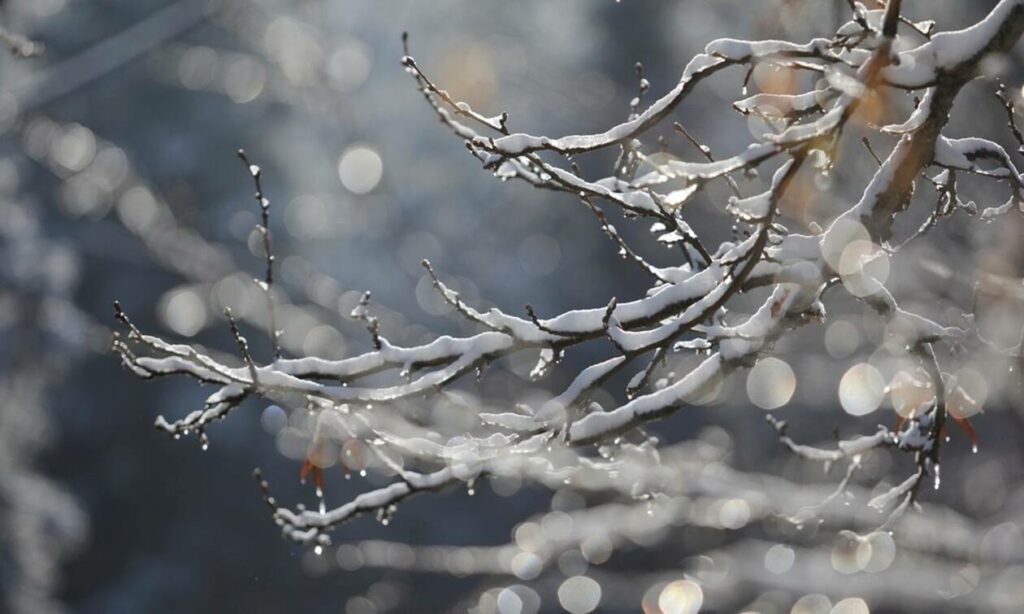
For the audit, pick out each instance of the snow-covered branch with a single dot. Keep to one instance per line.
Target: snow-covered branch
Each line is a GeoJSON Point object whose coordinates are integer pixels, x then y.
{"type": "Point", "coordinates": [717, 308]}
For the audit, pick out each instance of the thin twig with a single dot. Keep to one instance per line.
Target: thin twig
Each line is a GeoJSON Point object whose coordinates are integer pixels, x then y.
{"type": "Point", "coordinates": [264, 229]}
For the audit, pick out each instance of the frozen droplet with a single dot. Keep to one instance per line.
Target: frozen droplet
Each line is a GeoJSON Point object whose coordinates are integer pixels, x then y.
{"type": "Point", "coordinates": [362, 473]}
{"type": "Point", "coordinates": [318, 550]}
{"type": "Point", "coordinates": [974, 449]}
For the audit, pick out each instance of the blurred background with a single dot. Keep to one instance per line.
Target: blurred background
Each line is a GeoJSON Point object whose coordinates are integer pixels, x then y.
{"type": "Point", "coordinates": [118, 180]}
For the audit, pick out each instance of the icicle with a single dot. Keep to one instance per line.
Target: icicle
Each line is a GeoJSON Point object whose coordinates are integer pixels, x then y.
{"type": "Point", "coordinates": [938, 478]}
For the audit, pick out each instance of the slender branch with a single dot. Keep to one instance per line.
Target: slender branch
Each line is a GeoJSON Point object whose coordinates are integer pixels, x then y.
{"type": "Point", "coordinates": [263, 228]}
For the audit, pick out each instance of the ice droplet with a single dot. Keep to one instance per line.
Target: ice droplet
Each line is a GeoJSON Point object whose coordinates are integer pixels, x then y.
{"type": "Point", "coordinates": [318, 550]}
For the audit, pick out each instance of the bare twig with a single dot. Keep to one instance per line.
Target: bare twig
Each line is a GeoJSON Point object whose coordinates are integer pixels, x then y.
{"type": "Point", "coordinates": [263, 228]}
